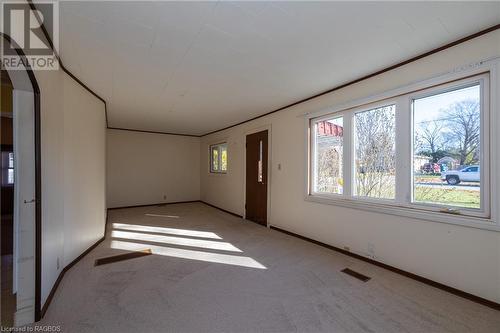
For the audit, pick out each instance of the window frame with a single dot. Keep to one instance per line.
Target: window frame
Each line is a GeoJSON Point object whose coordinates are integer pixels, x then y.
{"type": "Point", "coordinates": [6, 168]}
{"type": "Point", "coordinates": [485, 218]}
{"type": "Point", "coordinates": [313, 123]}
{"type": "Point", "coordinates": [9, 168]}
{"type": "Point", "coordinates": [348, 169]}
{"type": "Point", "coordinates": [352, 161]}
{"type": "Point", "coordinates": [219, 157]}
{"type": "Point", "coordinates": [485, 196]}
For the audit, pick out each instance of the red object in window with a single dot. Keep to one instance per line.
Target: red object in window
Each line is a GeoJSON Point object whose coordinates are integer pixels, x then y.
{"type": "Point", "coordinates": [326, 128]}
{"type": "Point", "coordinates": [321, 128]}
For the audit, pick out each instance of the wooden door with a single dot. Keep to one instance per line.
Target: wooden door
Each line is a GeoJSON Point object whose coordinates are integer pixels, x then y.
{"type": "Point", "coordinates": [256, 178]}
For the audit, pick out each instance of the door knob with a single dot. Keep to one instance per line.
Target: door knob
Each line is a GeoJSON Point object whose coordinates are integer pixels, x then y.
{"type": "Point", "coordinates": [31, 201]}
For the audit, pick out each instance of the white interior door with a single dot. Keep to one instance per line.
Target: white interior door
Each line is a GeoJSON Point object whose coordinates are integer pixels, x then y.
{"type": "Point", "coordinates": [24, 206]}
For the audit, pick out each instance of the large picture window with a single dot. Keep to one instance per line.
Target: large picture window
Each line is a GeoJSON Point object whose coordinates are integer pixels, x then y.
{"type": "Point", "coordinates": [418, 150]}
{"type": "Point", "coordinates": [218, 158]}
{"type": "Point", "coordinates": [447, 148]}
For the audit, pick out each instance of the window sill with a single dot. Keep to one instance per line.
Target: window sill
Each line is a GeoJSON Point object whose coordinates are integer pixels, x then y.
{"type": "Point", "coordinates": [217, 174]}
{"type": "Point", "coordinates": [415, 213]}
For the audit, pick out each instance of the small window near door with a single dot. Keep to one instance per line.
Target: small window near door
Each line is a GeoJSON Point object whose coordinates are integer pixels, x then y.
{"type": "Point", "coordinates": [218, 158]}
{"type": "Point", "coordinates": [260, 177]}
{"type": "Point", "coordinates": [7, 168]}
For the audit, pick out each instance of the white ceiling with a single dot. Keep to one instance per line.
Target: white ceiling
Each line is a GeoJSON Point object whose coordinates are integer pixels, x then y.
{"type": "Point", "coordinates": [194, 67]}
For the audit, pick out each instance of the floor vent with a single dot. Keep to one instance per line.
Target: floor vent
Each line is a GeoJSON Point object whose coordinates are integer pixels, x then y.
{"type": "Point", "coordinates": [121, 257]}
{"type": "Point", "coordinates": [355, 274]}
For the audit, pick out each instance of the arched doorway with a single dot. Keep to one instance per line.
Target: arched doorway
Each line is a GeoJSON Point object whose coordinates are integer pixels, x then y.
{"type": "Point", "coordinates": [26, 235]}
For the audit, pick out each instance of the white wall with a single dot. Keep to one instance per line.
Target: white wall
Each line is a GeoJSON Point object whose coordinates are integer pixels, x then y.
{"type": "Point", "coordinates": [52, 162]}
{"type": "Point", "coordinates": [461, 257]}
{"type": "Point", "coordinates": [84, 169]}
{"type": "Point", "coordinates": [145, 167]}
{"type": "Point", "coordinates": [73, 172]}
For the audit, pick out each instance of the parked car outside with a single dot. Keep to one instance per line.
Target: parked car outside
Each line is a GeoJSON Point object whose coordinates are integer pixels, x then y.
{"type": "Point", "coordinates": [468, 174]}
{"type": "Point", "coordinates": [430, 168]}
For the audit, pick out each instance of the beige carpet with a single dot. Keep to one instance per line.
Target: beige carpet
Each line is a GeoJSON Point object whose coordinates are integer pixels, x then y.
{"type": "Point", "coordinates": [8, 299]}
{"type": "Point", "coordinates": [212, 272]}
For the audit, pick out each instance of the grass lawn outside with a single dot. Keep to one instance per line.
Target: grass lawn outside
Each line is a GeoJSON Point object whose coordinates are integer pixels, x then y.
{"type": "Point", "coordinates": [428, 179]}
{"type": "Point", "coordinates": [428, 189]}
{"type": "Point", "coordinates": [453, 197]}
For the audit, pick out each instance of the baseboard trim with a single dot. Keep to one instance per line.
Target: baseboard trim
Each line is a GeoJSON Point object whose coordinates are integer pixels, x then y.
{"type": "Point", "coordinates": [155, 204]}
{"type": "Point", "coordinates": [451, 290]}
{"type": "Point", "coordinates": [175, 203]}
{"type": "Point", "coordinates": [24, 317]}
{"type": "Point", "coordinates": [65, 269]}
{"type": "Point", "coordinates": [221, 209]}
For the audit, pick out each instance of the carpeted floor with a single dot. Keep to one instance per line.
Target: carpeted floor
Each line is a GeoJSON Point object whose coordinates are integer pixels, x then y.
{"type": "Point", "coordinates": [8, 299]}
{"type": "Point", "coordinates": [212, 272]}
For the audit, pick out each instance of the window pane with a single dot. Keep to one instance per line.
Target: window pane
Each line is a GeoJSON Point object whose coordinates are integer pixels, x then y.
{"type": "Point", "coordinates": [10, 178]}
{"type": "Point", "coordinates": [446, 139]}
{"type": "Point", "coordinates": [328, 156]}
{"type": "Point", "coordinates": [215, 158]}
{"type": "Point", "coordinates": [260, 178]}
{"type": "Point", "coordinates": [375, 152]}
{"type": "Point", "coordinates": [218, 158]}
{"type": "Point", "coordinates": [223, 157]}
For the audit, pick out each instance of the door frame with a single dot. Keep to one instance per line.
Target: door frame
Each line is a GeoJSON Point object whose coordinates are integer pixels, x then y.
{"type": "Point", "coordinates": [38, 178]}
{"type": "Point", "coordinates": [261, 128]}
